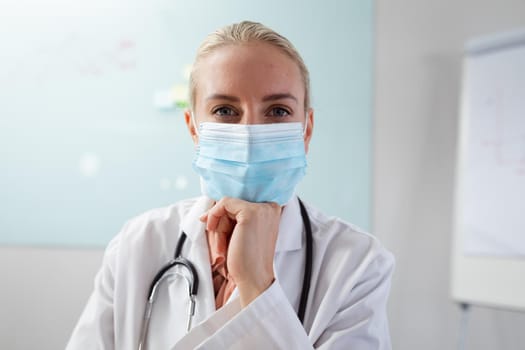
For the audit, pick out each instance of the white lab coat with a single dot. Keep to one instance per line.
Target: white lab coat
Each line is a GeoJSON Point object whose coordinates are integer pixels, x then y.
{"type": "Point", "coordinates": [346, 307]}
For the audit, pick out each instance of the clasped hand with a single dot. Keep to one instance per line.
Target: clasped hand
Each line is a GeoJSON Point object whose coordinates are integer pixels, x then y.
{"type": "Point", "coordinates": [249, 231]}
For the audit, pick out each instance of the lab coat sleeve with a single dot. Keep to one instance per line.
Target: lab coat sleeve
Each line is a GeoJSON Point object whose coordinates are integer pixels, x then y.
{"type": "Point", "coordinates": [270, 322]}
{"type": "Point", "coordinates": [94, 330]}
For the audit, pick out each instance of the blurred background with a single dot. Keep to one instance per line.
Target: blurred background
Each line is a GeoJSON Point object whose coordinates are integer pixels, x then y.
{"type": "Point", "coordinates": [92, 134]}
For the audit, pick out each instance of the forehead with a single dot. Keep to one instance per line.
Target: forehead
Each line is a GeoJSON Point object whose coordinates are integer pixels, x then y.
{"type": "Point", "coordinates": [248, 70]}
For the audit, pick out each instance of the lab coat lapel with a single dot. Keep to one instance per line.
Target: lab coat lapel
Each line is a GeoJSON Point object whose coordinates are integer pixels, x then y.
{"type": "Point", "coordinates": [289, 260]}
{"type": "Point", "coordinates": [290, 235]}
{"type": "Point", "coordinates": [196, 251]}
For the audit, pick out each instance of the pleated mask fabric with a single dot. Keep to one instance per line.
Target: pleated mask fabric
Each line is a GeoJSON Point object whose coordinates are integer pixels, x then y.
{"type": "Point", "coordinates": [256, 163]}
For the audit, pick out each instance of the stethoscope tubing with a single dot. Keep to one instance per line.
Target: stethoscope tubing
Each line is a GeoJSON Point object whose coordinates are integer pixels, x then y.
{"type": "Point", "coordinates": [307, 278]}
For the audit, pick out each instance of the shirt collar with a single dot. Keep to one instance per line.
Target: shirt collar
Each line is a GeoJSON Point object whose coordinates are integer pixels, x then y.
{"type": "Point", "coordinates": [290, 235]}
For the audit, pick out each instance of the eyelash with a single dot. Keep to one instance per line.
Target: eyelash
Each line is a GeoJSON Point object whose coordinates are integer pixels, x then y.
{"type": "Point", "coordinates": [286, 110]}
{"type": "Point", "coordinates": [232, 113]}
{"type": "Point", "coordinates": [225, 118]}
{"type": "Point", "coordinates": [216, 110]}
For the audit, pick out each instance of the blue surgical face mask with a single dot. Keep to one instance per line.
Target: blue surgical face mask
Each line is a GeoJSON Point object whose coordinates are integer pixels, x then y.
{"type": "Point", "coordinates": [257, 163]}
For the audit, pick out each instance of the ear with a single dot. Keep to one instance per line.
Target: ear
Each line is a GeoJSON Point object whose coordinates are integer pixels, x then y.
{"type": "Point", "coordinates": [191, 126]}
{"type": "Point", "coordinates": [309, 129]}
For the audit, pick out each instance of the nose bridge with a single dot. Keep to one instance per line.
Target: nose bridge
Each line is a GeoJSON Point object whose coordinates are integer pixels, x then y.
{"type": "Point", "coordinates": [251, 112]}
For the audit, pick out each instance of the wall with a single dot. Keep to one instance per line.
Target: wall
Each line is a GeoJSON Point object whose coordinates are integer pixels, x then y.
{"type": "Point", "coordinates": [42, 294]}
{"type": "Point", "coordinates": [417, 85]}
{"type": "Point", "coordinates": [73, 160]}
{"type": "Point", "coordinates": [43, 290]}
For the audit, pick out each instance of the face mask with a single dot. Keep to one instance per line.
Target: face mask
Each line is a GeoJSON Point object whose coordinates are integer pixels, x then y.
{"type": "Point", "coordinates": [256, 163]}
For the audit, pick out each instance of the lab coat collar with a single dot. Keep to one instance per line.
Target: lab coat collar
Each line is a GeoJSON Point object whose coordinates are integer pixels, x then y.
{"type": "Point", "coordinates": [191, 224]}
{"type": "Point", "coordinates": [290, 235]}
{"type": "Point", "coordinates": [290, 228]}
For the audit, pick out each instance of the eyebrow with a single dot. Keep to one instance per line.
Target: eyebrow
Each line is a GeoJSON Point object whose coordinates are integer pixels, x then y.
{"type": "Point", "coordinates": [223, 97]}
{"type": "Point", "coordinates": [266, 98]}
{"type": "Point", "coordinates": [274, 97]}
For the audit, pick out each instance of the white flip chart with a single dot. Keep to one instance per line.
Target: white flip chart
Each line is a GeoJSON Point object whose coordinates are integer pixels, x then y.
{"type": "Point", "coordinates": [494, 170]}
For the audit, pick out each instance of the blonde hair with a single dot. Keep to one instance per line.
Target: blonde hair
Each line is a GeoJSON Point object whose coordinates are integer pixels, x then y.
{"type": "Point", "coordinates": [246, 32]}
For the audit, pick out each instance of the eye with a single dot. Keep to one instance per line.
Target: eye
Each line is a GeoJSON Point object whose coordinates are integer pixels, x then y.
{"type": "Point", "coordinates": [224, 111]}
{"type": "Point", "coordinates": [279, 112]}
{"type": "Point", "coordinates": [225, 114]}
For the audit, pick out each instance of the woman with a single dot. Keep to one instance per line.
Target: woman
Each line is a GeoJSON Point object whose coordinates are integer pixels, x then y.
{"type": "Point", "coordinates": [247, 237]}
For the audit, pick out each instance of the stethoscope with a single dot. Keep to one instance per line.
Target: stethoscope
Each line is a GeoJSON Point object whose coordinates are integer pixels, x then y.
{"type": "Point", "coordinates": [192, 279]}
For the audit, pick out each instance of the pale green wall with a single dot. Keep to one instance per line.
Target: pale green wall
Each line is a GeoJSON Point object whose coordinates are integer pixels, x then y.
{"type": "Point", "coordinates": [71, 85]}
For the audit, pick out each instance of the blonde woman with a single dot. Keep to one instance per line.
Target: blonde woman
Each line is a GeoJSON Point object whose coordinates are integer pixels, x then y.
{"type": "Point", "coordinates": [247, 265]}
